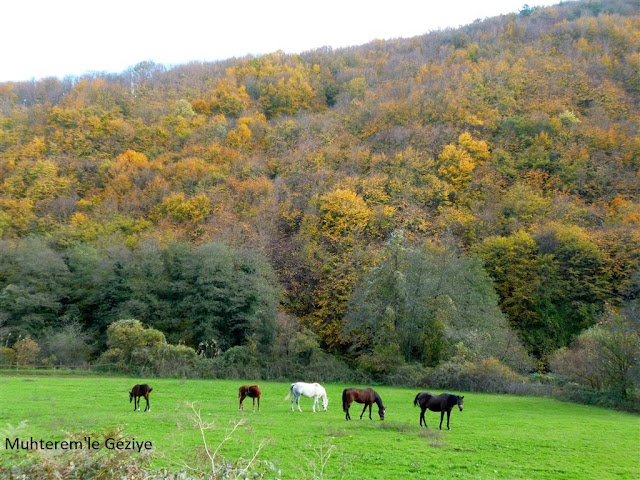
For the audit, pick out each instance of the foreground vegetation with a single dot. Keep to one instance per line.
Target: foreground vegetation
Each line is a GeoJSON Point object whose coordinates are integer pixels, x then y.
{"type": "Point", "coordinates": [496, 436]}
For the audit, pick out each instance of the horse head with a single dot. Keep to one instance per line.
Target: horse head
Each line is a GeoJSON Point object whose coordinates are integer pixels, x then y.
{"type": "Point", "coordinates": [381, 413]}
{"type": "Point", "coordinates": [461, 402]}
{"type": "Point", "coordinates": [325, 402]}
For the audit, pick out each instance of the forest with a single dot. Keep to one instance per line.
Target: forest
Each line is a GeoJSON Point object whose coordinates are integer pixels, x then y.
{"type": "Point", "coordinates": [453, 206]}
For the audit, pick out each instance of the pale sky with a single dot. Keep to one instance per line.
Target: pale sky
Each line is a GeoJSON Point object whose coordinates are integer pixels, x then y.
{"type": "Point", "coordinates": [55, 38]}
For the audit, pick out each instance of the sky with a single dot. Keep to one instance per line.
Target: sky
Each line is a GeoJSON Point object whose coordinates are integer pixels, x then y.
{"type": "Point", "coordinates": [57, 38]}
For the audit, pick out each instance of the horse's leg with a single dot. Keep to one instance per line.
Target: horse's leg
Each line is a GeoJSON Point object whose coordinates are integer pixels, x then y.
{"type": "Point", "coordinates": [363, 410]}
{"type": "Point", "coordinates": [258, 404]}
{"type": "Point", "coordinates": [422, 419]}
{"type": "Point", "coordinates": [135, 403]}
{"type": "Point", "coordinates": [348, 417]}
{"type": "Point", "coordinates": [298, 402]}
{"type": "Point", "coordinates": [148, 407]}
{"type": "Point", "coordinates": [441, 417]}
{"type": "Point", "coordinates": [315, 402]}
{"type": "Point", "coordinates": [448, 415]}
{"type": "Point", "coordinates": [253, 410]}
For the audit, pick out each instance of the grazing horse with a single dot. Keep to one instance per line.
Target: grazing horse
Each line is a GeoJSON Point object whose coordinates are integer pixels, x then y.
{"type": "Point", "coordinates": [140, 391]}
{"type": "Point", "coordinates": [367, 396]}
{"type": "Point", "coordinates": [314, 390]}
{"type": "Point", "coordinates": [252, 391]}
{"type": "Point", "coordinates": [437, 403]}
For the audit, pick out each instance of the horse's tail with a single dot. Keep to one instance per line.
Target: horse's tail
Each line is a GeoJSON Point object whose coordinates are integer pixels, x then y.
{"type": "Point", "coordinates": [344, 400]}
{"type": "Point", "coordinates": [150, 389]}
{"type": "Point", "coordinates": [415, 400]}
{"type": "Point", "coordinates": [290, 392]}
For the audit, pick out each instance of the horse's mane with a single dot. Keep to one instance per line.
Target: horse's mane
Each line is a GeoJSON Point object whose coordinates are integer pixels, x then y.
{"type": "Point", "coordinates": [452, 400]}
{"type": "Point", "coordinates": [378, 400]}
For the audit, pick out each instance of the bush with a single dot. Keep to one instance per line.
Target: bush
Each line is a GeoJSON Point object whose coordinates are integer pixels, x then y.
{"type": "Point", "coordinates": [106, 464]}
{"type": "Point", "coordinates": [26, 350]}
{"type": "Point", "coordinates": [238, 362]}
{"type": "Point", "coordinates": [601, 398]}
{"type": "Point", "coordinates": [7, 356]}
{"type": "Point", "coordinates": [409, 375]}
{"type": "Point", "coordinates": [81, 463]}
{"type": "Point", "coordinates": [70, 346]}
{"type": "Point", "coordinates": [140, 350]}
{"type": "Point", "coordinates": [605, 357]}
{"type": "Point", "coordinates": [489, 375]}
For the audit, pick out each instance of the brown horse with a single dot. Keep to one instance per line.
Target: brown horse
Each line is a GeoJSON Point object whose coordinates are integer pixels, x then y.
{"type": "Point", "coordinates": [140, 391]}
{"type": "Point", "coordinates": [437, 403]}
{"type": "Point", "coordinates": [367, 396]}
{"type": "Point", "coordinates": [251, 391]}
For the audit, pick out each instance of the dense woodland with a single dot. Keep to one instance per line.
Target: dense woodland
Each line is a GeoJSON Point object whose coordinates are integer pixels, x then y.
{"type": "Point", "coordinates": [468, 195]}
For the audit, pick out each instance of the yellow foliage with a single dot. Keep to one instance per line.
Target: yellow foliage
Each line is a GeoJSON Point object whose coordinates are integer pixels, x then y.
{"type": "Point", "coordinates": [16, 215]}
{"type": "Point", "coordinates": [36, 149]}
{"type": "Point", "coordinates": [458, 162]}
{"type": "Point", "coordinates": [85, 228]}
{"type": "Point", "coordinates": [240, 136]}
{"type": "Point", "coordinates": [457, 166]}
{"type": "Point", "coordinates": [478, 149]}
{"type": "Point", "coordinates": [179, 208]}
{"type": "Point", "coordinates": [229, 99]}
{"type": "Point", "coordinates": [342, 213]}
{"type": "Point", "coordinates": [129, 162]}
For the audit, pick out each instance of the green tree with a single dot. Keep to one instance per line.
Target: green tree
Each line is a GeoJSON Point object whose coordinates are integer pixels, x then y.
{"type": "Point", "coordinates": [229, 297]}
{"type": "Point", "coordinates": [551, 287]}
{"type": "Point", "coordinates": [34, 286]}
{"type": "Point", "coordinates": [430, 304]}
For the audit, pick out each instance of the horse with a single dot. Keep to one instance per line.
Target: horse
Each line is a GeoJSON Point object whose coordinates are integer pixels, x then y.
{"type": "Point", "coordinates": [140, 391]}
{"type": "Point", "coordinates": [437, 403]}
{"type": "Point", "coordinates": [252, 391]}
{"type": "Point", "coordinates": [367, 396]}
{"type": "Point", "coordinates": [314, 390]}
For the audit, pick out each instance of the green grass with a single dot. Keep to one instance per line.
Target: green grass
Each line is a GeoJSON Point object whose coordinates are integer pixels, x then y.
{"type": "Point", "coordinates": [496, 436]}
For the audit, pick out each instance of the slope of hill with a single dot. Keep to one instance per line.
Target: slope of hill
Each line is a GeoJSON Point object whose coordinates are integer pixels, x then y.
{"type": "Point", "coordinates": [513, 140]}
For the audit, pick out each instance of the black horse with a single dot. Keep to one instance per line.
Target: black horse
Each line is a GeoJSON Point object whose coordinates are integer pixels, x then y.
{"type": "Point", "coordinates": [437, 403]}
{"type": "Point", "coordinates": [367, 396]}
{"type": "Point", "coordinates": [140, 391]}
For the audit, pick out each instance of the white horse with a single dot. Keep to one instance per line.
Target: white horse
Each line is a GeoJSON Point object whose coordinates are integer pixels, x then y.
{"type": "Point", "coordinates": [314, 390]}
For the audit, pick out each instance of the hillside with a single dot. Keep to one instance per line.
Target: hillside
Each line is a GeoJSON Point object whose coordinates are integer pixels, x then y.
{"type": "Point", "coordinates": [397, 199]}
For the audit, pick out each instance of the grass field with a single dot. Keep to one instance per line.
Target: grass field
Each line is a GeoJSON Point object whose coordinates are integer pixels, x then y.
{"type": "Point", "coordinates": [496, 436]}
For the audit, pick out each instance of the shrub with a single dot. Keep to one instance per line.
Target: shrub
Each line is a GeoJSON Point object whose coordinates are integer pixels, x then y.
{"type": "Point", "coordinates": [81, 463]}
{"type": "Point", "coordinates": [489, 375]}
{"type": "Point", "coordinates": [605, 357]}
{"type": "Point", "coordinates": [26, 350]}
{"type": "Point", "coordinates": [412, 375]}
{"type": "Point", "coordinates": [70, 346]}
{"type": "Point", "coordinates": [7, 356]}
{"type": "Point", "coordinates": [238, 362]}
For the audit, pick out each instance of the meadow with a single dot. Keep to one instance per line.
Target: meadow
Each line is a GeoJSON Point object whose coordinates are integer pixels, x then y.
{"type": "Point", "coordinates": [496, 436]}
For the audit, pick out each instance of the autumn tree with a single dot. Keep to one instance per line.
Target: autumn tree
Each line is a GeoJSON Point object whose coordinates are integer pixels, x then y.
{"type": "Point", "coordinates": [333, 256]}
